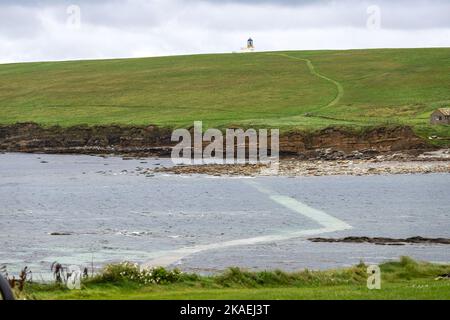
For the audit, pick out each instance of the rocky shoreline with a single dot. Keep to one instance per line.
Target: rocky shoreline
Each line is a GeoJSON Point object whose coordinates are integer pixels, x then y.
{"type": "Point", "coordinates": [331, 151]}
{"type": "Point", "coordinates": [397, 163]}
{"type": "Point", "coordinates": [384, 241]}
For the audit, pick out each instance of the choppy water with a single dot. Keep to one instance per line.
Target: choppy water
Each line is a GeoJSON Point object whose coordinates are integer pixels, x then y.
{"type": "Point", "coordinates": [111, 213]}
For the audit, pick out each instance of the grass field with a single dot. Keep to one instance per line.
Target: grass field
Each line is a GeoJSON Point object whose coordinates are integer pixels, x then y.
{"type": "Point", "coordinates": [405, 279]}
{"type": "Point", "coordinates": [304, 90]}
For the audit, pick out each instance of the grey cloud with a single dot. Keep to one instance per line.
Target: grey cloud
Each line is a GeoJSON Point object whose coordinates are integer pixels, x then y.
{"type": "Point", "coordinates": [36, 30]}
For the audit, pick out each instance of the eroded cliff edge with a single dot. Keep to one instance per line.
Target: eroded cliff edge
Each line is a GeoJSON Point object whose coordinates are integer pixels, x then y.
{"type": "Point", "coordinates": [154, 140]}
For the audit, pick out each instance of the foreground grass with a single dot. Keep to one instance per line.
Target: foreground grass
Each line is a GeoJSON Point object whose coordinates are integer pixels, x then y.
{"type": "Point", "coordinates": [405, 290]}
{"type": "Point", "coordinates": [405, 279]}
{"type": "Point", "coordinates": [379, 87]}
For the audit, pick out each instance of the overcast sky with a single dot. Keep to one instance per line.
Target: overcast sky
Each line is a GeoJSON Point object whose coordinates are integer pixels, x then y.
{"type": "Point", "coordinates": [82, 29]}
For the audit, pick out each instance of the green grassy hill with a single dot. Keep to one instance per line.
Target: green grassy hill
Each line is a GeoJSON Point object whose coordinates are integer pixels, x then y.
{"type": "Point", "coordinates": [288, 90]}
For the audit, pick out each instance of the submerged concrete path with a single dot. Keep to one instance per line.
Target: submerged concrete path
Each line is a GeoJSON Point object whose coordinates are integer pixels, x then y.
{"type": "Point", "coordinates": [326, 222]}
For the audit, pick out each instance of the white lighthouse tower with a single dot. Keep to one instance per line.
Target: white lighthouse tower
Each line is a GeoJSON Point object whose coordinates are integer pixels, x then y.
{"type": "Point", "coordinates": [250, 46]}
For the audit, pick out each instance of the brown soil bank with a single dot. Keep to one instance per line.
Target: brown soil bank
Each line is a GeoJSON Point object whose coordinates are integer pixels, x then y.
{"type": "Point", "coordinates": [153, 140]}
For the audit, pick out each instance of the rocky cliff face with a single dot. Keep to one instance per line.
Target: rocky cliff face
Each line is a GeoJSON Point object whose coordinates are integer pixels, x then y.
{"type": "Point", "coordinates": [379, 139]}
{"type": "Point", "coordinates": [30, 137]}
{"type": "Point", "coordinates": [152, 140]}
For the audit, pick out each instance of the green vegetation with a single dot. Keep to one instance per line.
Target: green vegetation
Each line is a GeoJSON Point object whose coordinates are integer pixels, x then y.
{"type": "Point", "coordinates": [305, 90]}
{"type": "Point", "coordinates": [405, 279]}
